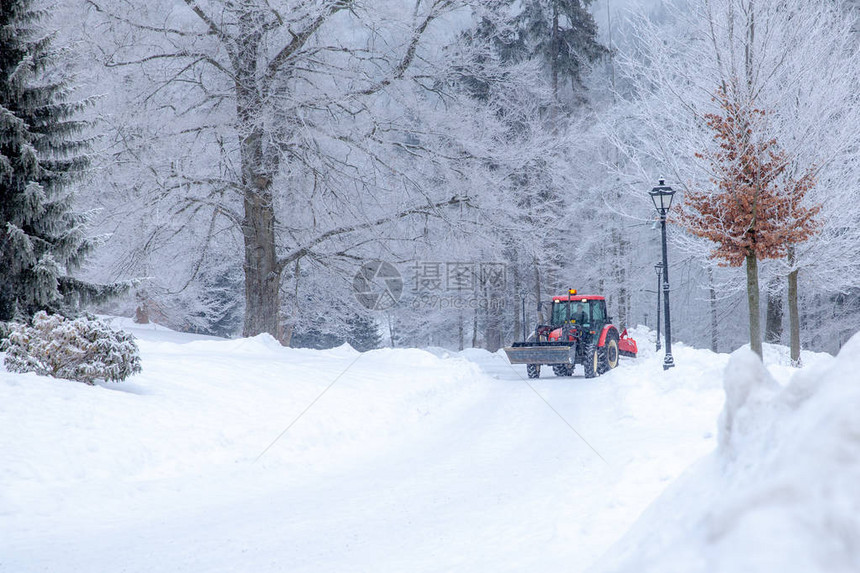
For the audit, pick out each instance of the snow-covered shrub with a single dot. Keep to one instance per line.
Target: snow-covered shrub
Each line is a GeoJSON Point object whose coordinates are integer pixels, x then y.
{"type": "Point", "coordinates": [82, 349]}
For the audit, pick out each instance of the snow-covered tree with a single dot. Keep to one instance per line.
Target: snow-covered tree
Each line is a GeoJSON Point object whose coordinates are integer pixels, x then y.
{"type": "Point", "coordinates": [43, 239]}
{"type": "Point", "coordinates": [560, 35]}
{"type": "Point", "coordinates": [279, 133]}
{"type": "Point", "coordinates": [752, 210]}
{"type": "Point", "coordinates": [795, 59]}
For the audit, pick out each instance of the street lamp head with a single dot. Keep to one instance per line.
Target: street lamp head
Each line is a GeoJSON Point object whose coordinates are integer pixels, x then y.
{"type": "Point", "coordinates": [662, 196]}
{"type": "Point", "coordinates": [658, 268]}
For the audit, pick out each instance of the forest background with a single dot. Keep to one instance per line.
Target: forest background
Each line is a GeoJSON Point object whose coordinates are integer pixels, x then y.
{"type": "Point", "coordinates": [250, 156]}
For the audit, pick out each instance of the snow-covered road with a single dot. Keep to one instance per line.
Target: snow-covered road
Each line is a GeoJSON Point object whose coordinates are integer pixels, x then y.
{"type": "Point", "coordinates": [411, 461]}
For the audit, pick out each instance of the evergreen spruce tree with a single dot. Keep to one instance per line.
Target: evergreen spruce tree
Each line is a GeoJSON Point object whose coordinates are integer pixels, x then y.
{"type": "Point", "coordinates": [561, 34]}
{"type": "Point", "coordinates": [358, 330]}
{"type": "Point", "coordinates": [363, 333]}
{"type": "Point", "coordinates": [42, 151]}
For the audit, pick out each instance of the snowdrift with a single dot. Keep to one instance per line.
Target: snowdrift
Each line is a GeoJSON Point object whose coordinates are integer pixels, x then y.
{"type": "Point", "coordinates": [779, 493]}
{"type": "Point", "coordinates": [205, 407]}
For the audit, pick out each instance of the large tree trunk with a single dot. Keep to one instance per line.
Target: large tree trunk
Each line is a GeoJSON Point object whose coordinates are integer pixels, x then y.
{"type": "Point", "coordinates": [794, 319]}
{"type": "Point", "coordinates": [774, 314]}
{"type": "Point", "coordinates": [753, 304]}
{"type": "Point", "coordinates": [262, 272]}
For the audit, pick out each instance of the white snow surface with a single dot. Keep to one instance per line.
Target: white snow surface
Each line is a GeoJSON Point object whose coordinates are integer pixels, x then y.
{"type": "Point", "coordinates": [243, 455]}
{"type": "Point", "coordinates": [780, 493]}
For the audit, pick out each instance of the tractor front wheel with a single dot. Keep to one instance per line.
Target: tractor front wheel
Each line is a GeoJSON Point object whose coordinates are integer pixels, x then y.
{"type": "Point", "coordinates": [533, 370]}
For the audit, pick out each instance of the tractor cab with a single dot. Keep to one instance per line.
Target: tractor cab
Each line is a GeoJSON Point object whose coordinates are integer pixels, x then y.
{"type": "Point", "coordinates": [586, 311]}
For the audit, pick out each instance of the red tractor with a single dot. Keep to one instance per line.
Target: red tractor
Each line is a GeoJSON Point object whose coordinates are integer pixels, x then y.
{"type": "Point", "coordinates": [579, 332]}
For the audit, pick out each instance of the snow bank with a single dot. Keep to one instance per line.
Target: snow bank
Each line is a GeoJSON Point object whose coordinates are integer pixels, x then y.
{"type": "Point", "coordinates": [209, 406]}
{"type": "Point", "coordinates": [780, 493]}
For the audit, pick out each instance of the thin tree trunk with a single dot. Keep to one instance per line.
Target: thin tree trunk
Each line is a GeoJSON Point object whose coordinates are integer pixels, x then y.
{"type": "Point", "coordinates": [619, 274]}
{"type": "Point", "coordinates": [713, 301]}
{"type": "Point", "coordinates": [554, 55]}
{"type": "Point", "coordinates": [518, 319]}
{"type": "Point", "coordinates": [492, 330]}
{"type": "Point", "coordinates": [288, 334]}
{"type": "Point", "coordinates": [460, 331]}
{"type": "Point", "coordinates": [774, 314]}
{"type": "Point", "coordinates": [750, 42]}
{"type": "Point", "coordinates": [753, 294]}
{"type": "Point", "coordinates": [475, 330]}
{"type": "Point", "coordinates": [623, 291]}
{"type": "Point", "coordinates": [391, 334]}
{"type": "Point", "coordinates": [753, 304]}
{"type": "Point", "coordinates": [794, 319]}
{"type": "Point", "coordinates": [540, 317]}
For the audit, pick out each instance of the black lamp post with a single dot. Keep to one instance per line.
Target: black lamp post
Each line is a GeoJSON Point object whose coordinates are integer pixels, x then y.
{"type": "Point", "coordinates": [662, 196]}
{"type": "Point", "coordinates": [659, 268]}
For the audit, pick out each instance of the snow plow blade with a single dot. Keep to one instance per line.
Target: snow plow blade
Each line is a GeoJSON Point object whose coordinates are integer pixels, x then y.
{"type": "Point", "coordinates": [547, 353]}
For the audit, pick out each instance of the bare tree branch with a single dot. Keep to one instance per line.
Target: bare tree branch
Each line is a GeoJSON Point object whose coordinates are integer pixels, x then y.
{"type": "Point", "coordinates": [299, 39]}
{"type": "Point", "coordinates": [409, 56]}
{"type": "Point", "coordinates": [160, 29]}
{"type": "Point", "coordinates": [200, 57]}
{"type": "Point", "coordinates": [210, 23]}
{"type": "Point", "coordinates": [330, 234]}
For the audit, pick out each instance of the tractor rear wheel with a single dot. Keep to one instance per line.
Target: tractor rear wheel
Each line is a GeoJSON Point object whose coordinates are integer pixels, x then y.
{"type": "Point", "coordinates": [591, 361]}
{"type": "Point", "coordinates": [562, 369]}
{"type": "Point", "coordinates": [533, 370]}
{"type": "Point", "coordinates": [607, 355]}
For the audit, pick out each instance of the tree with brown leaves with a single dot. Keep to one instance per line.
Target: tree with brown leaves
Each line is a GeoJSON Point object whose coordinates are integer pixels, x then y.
{"type": "Point", "coordinates": [754, 209]}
